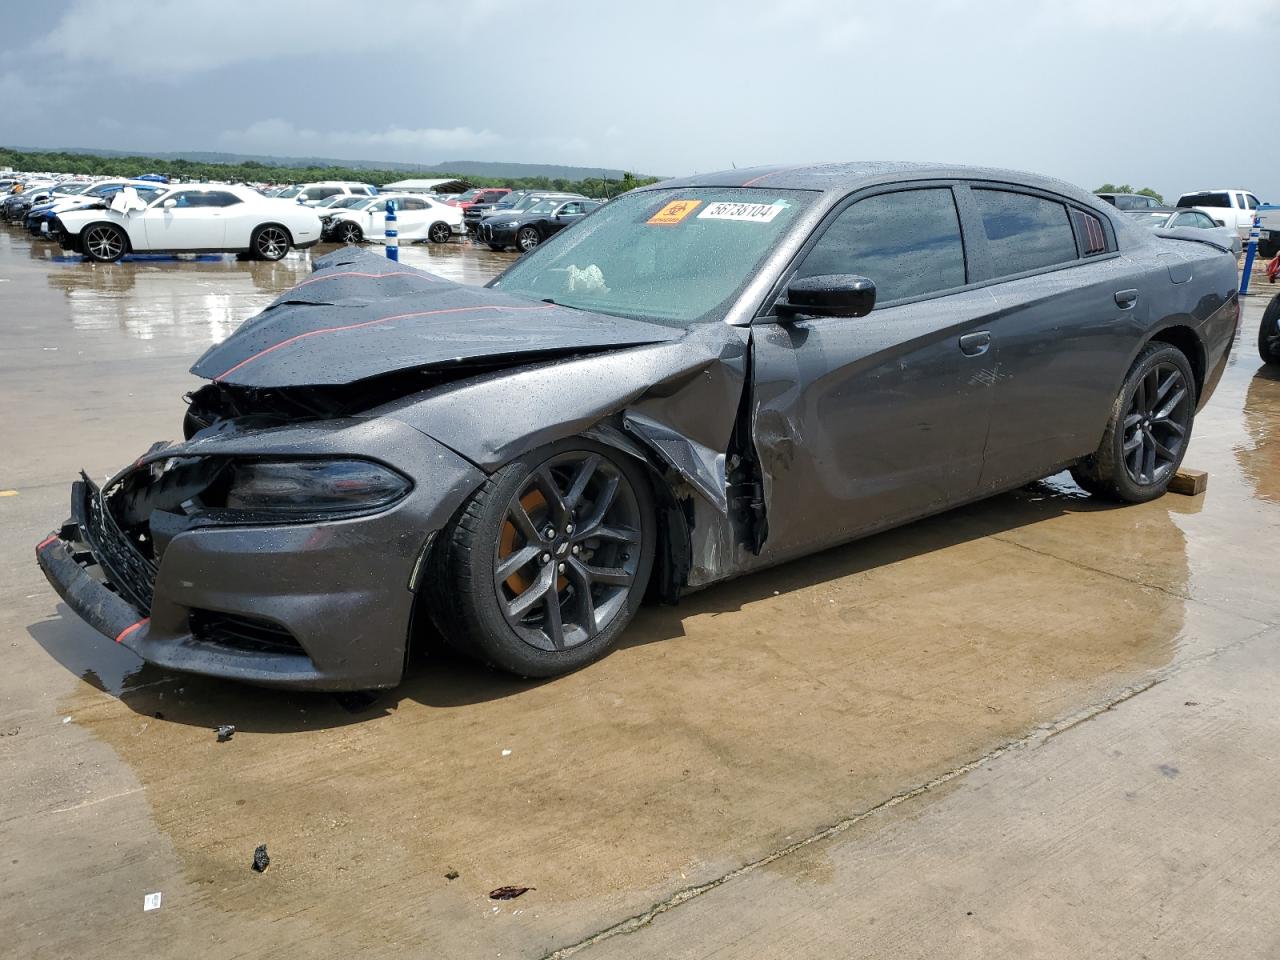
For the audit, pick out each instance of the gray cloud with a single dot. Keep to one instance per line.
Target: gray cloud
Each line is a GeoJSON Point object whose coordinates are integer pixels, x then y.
{"type": "Point", "coordinates": [1089, 90]}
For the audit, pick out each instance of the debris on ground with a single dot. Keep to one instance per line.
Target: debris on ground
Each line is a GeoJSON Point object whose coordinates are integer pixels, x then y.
{"type": "Point", "coordinates": [509, 893]}
{"type": "Point", "coordinates": [260, 859]}
{"type": "Point", "coordinates": [452, 875]}
{"type": "Point", "coordinates": [226, 732]}
{"type": "Point", "coordinates": [159, 715]}
{"type": "Point", "coordinates": [151, 902]}
{"type": "Point", "coordinates": [506, 753]}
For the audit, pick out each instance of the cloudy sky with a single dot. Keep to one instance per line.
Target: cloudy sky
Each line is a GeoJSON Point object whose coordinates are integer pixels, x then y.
{"type": "Point", "coordinates": [1088, 90]}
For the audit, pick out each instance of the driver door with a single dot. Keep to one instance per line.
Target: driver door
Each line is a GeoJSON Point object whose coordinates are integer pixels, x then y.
{"type": "Point", "coordinates": [185, 220]}
{"type": "Point", "coordinates": [862, 423]}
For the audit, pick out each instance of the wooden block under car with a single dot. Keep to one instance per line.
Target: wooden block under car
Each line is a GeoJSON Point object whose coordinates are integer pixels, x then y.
{"type": "Point", "coordinates": [1189, 482]}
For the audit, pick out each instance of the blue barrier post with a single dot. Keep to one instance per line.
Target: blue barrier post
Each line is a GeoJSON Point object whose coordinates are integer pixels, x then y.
{"type": "Point", "coordinates": [1250, 252]}
{"type": "Point", "coordinates": [393, 236]}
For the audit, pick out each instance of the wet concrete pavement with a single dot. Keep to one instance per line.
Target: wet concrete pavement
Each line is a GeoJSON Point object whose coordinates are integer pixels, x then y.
{"type": "Point", "coordinates": [877, 751]}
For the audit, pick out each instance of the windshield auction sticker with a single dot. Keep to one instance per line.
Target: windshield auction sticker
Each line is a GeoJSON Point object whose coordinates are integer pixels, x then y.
{"type": "Point", "coordinates": [674, 212]}
{"type": "Point", "coordinates": [750, 212]}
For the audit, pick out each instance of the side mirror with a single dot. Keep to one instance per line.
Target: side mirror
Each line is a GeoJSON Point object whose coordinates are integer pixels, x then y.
{"type": "Point", "coordinates": [170, 203]}
{"type": "Point", "coordinates": [834, 295]}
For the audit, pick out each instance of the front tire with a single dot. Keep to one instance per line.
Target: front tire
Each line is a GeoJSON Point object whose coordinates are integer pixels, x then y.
{"type": "Point", "coordinates": [439, 233]}
{"type": "Point", "coordinates": [1147, 433]}
{"type": "Point", "coordinates": [270, 242]}
{"type": "Point", "coordinates": [1269, 332]}
{"type": "Point", "coordinates": [104, 242]}
{"type": "Point", "coordinates": [527, 238]}
{"type": "Point", "coordinates": [348, 232]}
{"type": "Point", "coordinates": [548, 561]}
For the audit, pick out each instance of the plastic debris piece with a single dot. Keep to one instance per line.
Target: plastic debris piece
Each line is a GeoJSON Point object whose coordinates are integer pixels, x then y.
{"type": "Point", "coordinates": [66, 719]}
{"type": "Point", "coordinates": [506, 753]}
{"type": "Point", "coordinates": [226, 732]}
{"type": "Point", "coordinates": [509, 893]}
{"type": "Point", "coordinates": [260, 859]}
{"type": "Point", "coordinates": [151, 901]}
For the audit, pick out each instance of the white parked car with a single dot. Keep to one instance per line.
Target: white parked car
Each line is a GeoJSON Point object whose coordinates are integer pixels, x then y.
{"type": "Point", "coordinates": [313, 193]}
{"type": "Point", "coordinates": [418, 217]}
{"type": "Point", "coordinates": [1232, 208]}
{"type": "Point", "coordinates": [191, 218]}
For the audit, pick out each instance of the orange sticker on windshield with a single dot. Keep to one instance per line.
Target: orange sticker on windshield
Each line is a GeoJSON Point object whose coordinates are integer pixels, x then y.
{"type": "Point", "coordinates": [674, 212]}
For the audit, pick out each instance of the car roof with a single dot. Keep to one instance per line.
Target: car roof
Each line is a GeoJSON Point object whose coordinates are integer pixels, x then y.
{"type": "Point", "coordinates": [843, 178]}
{"type": "Point", "coordinates": [1155, 210]}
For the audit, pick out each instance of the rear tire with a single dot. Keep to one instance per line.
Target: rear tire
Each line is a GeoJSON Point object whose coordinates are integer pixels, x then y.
{"type": "Point", "coordinates": [1269, 332]}
{"type": "Point", "coordinates": [1147, 433]}
{"type": "Point", "coordinates": [103, 242]}
{"type": "Point", "coordinates": [439, 232]}
{"type": "Point", "coordinates": [548, 561]}
{"type": "Point", "coordinates": [270, 242]}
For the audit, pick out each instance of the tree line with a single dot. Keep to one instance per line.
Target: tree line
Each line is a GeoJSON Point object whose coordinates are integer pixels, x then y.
{"type": "Point", "coordinates": [252, 171]}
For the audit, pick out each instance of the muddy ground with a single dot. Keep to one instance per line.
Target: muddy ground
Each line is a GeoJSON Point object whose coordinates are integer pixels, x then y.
{"type": "Point", "coordinates": [1039, 726]}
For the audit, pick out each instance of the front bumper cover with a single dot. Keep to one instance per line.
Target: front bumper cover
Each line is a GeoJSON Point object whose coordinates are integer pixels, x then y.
{"type": "Point", "coordinates": [342, 591]}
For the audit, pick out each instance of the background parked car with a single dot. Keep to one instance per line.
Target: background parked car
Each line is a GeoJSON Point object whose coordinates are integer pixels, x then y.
{"type": "Point", "coordinates": [40, 218]}
{"type": "Point", "coordinates": [418, 217]}
{"type": "Point", "coordinates": [1129, 201]}
{"type": "Point", "coordinates": [1169, 218]}
{"type": "Point", "coordinates": [312, 193]}
{"type": "Point", "coordinates": [1232, 208]}
{"type": "Point", "coordinates": [470, 198]}
{"type": "Point", "coordinates": [189, 218]}
{"type": "Point", "coordinates": [473, 214]}
{"type": "Point", "coordinates": [525, 229]}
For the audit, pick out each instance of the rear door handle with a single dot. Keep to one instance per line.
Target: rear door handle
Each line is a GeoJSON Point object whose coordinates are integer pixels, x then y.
{"type": "Point", "coordinates": [975, 344]}
{"type": "Point", "coordinates": [1125, 299]}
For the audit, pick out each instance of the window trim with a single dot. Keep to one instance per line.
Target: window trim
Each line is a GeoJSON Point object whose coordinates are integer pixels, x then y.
{"type": "Point", "coordinates": [980, 272]}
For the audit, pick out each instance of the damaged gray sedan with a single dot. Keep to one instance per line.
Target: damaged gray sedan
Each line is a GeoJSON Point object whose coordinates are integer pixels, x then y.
{"type": "Point", "coordinates": [701, 379]}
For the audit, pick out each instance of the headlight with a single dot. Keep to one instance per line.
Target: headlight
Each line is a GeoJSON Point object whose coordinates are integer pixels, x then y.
{"type": "Point", "coordinates": [301, 487]}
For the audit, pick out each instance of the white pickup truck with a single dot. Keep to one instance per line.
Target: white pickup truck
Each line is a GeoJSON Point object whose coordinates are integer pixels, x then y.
{"type": "Point", "coordinates": [1269, 234]}
{"type": "Point", "coordinates": [1230, 208]}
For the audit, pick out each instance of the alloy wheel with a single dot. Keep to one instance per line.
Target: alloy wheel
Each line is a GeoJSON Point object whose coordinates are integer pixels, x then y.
{"type": "Point", "coordinates": [569, 551]}
{"type": "Point", "coordinates": [104, 243]}
{"type": "Point", "coordinates": [527, 239]}
{"type": "Point", "coordinates": [349, 233]}
{"type": "Point", "coordinates": [272, 243]}
{"type": "Point", "coordinates": [1156, 424]}
{"type": "Point", "coordinates": [439, 233]}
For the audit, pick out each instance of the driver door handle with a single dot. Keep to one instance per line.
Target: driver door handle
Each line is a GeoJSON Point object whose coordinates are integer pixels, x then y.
{"type": "Point", "coordinates": [1126, 298]}
{"type": "Point", "coordinates": [975, 344]}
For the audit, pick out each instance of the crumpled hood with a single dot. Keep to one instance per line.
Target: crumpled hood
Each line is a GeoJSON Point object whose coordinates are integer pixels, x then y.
{"type": "Point", "coordinates": [361, 315]}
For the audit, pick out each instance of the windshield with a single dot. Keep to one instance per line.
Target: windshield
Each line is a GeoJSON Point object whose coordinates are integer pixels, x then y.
{"type": "Point", "coordinates": [674, 256]}
{"type": "Point", "coordinates": [348, 201]}
{"type": "Point", "coordinates": [70, 189]}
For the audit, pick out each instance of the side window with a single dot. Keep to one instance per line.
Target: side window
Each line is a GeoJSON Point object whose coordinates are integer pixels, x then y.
{"type": "Point", "coordinates": [571, 208]}
{"type": "Point", "coordinates": [1024, 232]}
{"type": "Point", "coordinates": [1203, 221]}
{"type": "Point", "coordinates": [379, 207]}
{"type": "Point", "coordinates": [1253, 201]}
{"type": "Point", "coordinates": [1124, 203]}
{"type": "Point", "coordinates": [1093, 239]}
{"type": "Point", "coordinates": [1240, 204]}
{"type": "Point", "coordinates": [908, 243]}
{"type": "Point", "coordinates": [220, 198]}
{"type": "Point", "coordinates": [414, 203]}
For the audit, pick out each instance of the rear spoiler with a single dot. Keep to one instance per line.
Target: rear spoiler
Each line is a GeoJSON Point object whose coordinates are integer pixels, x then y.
{"type": "Point", "coordinates": [1196, 234]}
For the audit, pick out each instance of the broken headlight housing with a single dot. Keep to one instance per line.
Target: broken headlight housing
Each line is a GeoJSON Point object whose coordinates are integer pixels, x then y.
{"type": "Point", "coordinates": [300, 488]}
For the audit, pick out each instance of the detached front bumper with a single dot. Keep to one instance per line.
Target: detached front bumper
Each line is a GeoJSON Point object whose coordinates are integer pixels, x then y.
{"type": "Point", "coordinates": [320, 606]}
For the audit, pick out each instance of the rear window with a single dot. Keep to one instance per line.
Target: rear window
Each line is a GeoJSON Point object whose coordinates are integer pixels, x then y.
{"type": "Point", "coordinates": [1025, 232]}
{"type": "Point", "coordinates": [1205, 200]}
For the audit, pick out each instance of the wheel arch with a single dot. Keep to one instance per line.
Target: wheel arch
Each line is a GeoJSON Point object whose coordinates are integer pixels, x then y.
{"type": "Point", "coordinates": [1187, 340]}
{"type": "Point", "coordinates": [253, 234]}
{"type": "Point", "coordinates": [90, 224]}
